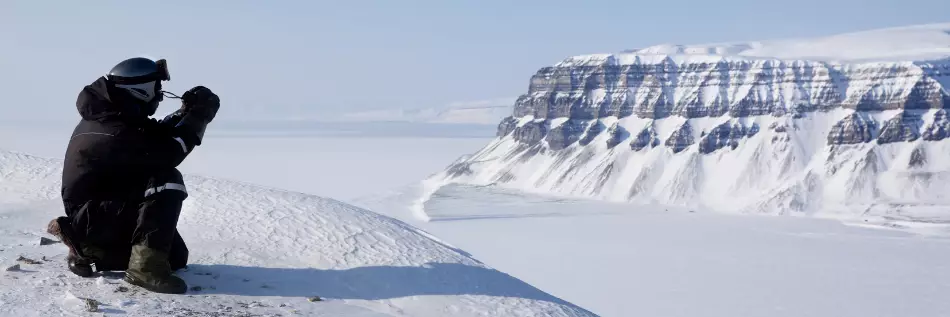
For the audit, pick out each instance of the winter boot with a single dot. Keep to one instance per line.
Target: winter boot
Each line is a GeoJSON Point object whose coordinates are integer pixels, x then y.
{"type": "Point", "coordinates": [75, 261]}
{"type": "Point", "coordinates": [113, 259]}
{"type": "Point", "coordinates": [149, 269]}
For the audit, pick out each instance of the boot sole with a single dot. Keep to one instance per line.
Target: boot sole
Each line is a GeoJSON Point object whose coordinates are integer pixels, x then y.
{"type": "Point", "coordinates": [75, 265]}
{"type": "Point", "coordinates": [135, 281]}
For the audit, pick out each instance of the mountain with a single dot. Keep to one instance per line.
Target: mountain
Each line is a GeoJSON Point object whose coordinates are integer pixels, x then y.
{"type": "Point", "coordinates": [850, 123]}
{"type": "Point", "coordinates": [256, 252]}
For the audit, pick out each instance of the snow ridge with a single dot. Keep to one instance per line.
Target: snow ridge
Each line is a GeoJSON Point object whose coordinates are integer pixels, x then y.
{"type": "Point", "coordinates": [271, 248]}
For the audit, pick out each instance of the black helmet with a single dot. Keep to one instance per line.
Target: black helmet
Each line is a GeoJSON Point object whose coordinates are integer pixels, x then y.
{"type": "Point", "coordinates": [142, 79]}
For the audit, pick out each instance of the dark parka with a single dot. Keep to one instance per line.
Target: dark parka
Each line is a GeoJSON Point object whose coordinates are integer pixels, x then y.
{"type": "Point", "coordinates": [120, 184]}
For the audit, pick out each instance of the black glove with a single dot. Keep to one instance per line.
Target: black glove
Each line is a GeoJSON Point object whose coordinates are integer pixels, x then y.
{"type": "Point", "coordinates": [198, 107]}
{"type": "Point", "coordinates": [201, 102]}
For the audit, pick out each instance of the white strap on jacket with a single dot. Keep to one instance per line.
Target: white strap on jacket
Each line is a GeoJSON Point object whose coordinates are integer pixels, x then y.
{"type": "Point", "coordinates": [167, 186]}
{"type": "Point", "coordinates": [184, 148]}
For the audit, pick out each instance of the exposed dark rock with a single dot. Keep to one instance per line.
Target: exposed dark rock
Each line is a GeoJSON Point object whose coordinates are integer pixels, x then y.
{"type": "Point", "coordinates": [726, 134]}
{"type": "Point", "coordinates": [617, 135]}
{"type": "Point", "coordinates": [505, 177]}
{"type": "Point", "coordinates": [47, 241]}
{"type": "Point", "coordinates": [459, 169]}
{"type": "Point", "coordinates": [752, 130]}
{"type": "Point", "coordinates": [780, 128]}
{"type": "Point", "coordinates": [592, 132]}
{"type": "Point", "coordinates": [507, 125]}
{"type": "Point", "coordinates": [681, 139]}
{"type": "Point", "coordinates": [900, 128]}
{"type": "Point", "coordinates": [587, 89]}
{"type": "Point", "coordinates": [646, 138]}
{"type": "Point", "coordinates": [939, 128]}
{"type": "Point", "coordinates": [646, 89]}
{"type": "Point", "coordinates": [853, 129]}
{"type": "Point", "coordinates": [27, 260]}
{"type": "Point", "coordinates": [531, 132]}
{"type": "Point", "coordinates": [92, 305]}
{"type": "Point", "coordinates": [565, 134]}
{"type": "Point", "coordinates": [926, 94]}
{"type": "Point", "coordinates": [917, 158]}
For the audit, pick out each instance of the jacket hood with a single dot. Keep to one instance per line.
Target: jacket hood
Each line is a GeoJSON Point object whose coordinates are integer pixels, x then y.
{"type": "Point", "coordinates": [100, 100]}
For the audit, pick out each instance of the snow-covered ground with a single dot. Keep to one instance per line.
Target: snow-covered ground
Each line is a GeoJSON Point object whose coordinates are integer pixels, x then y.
{"type": "Point", "coordinates": [611, 259]}
{"type": "Point", "coordinates": [256, 252]}
{"type": "Point", "coordinates": [627, 260]}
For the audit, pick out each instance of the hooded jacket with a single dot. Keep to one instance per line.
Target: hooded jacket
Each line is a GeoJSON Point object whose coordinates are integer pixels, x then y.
{"type": "Point", "coordinates": [115, 149]}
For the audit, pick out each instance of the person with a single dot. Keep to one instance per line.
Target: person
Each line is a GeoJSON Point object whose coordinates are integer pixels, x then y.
{"type": "Point", "coordinates": [121, 190]}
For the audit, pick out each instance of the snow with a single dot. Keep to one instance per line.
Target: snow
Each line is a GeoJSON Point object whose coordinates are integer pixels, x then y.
{"type": "Point", "coordinates": [650, 260]}
{"type": "Point", "coordinates": [909, 43]}
{"type": "Point", "coordinates": [788, 166]}
{"type": "Point", "coordinates": [611, 259]}
{"type": "Point", "coordinates": [260, 252]}
{"type": "Point", "coordinates": [265, 238]}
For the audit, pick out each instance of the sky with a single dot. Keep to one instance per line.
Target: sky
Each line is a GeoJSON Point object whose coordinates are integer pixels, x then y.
{"type": "Point", "coordinates": [298, 59]}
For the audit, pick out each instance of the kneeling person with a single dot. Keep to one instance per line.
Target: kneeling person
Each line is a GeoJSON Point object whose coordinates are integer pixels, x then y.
{"type": "Point", "coordinates": [121, 190]}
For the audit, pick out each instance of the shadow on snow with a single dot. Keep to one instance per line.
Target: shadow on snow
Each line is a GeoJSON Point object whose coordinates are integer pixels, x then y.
{"type": "Point", "coordinates": [363, 283]}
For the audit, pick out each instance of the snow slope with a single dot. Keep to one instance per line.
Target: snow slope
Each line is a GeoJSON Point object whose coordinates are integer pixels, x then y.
{"type": "Point", "coordinates": [773, 172]}
{"type": "Point", "coordinates": [258, 252]}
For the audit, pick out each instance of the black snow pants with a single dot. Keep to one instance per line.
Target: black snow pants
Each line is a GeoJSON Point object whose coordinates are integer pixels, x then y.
{"type": "Point", "coordinates": [107, 230]}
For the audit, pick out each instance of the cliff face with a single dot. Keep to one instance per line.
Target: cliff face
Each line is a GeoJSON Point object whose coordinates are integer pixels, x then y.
{"type": "Point", "coordinates": [590, 88]}
{"type": "Point", "coordinates": [727, 132]}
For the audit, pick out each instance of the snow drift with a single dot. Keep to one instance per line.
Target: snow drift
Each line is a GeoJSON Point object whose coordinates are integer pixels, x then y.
{"type": "Point", "coordinates": [852, 123]}
{"type": "Point", "coordinates": [257, 252]}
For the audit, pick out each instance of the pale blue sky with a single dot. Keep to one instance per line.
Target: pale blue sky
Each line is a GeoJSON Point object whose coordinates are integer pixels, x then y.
{"type": "Point", "coordinates": [278, 58]}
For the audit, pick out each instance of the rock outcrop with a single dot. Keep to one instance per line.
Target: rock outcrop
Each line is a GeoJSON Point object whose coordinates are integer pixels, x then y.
{"type": "Point", "coordinates": [590, 88]}
{"type": "Point", "coordinates": [681, 138]}
{"type": "Point", "coordinates": [617, 135]}
{"type": "Point", "coordinates": [592, 132]}
{"type": "Point", "coordinates": [853, 129]}
{"type": "Point", "coordinates": [565, 134]}
{"type": "Point", "coordinates": [726, 135]}
{"type": "Point", "coordinates": [902, 128]}
{"type": "Point", "coordinates": [507, 125]}
{"type": "Point", "coordinates": [646, 138]}
{"type": "Point", "coordinates": [531, 132]}
{"type": "Point", "coordinates": [939, 129]}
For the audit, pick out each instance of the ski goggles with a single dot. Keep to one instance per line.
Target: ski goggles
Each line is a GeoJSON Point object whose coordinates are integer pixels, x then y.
{"type": "Point", "coordinates": [162, 72]}
{"type": "Point", "coordinates": [159, 74]}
